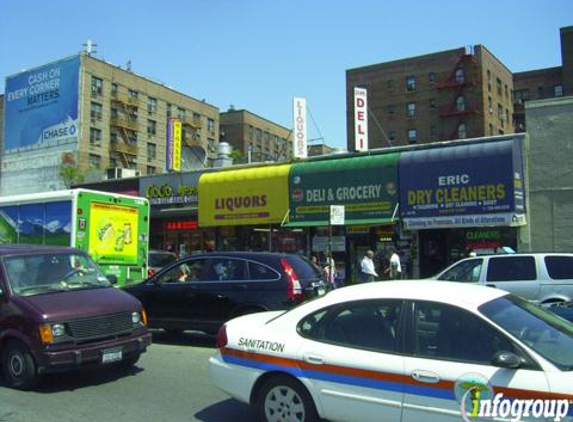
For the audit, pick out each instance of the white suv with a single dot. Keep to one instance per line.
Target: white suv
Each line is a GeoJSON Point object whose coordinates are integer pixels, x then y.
{"type": "Point", "coordinates": [539, 277]}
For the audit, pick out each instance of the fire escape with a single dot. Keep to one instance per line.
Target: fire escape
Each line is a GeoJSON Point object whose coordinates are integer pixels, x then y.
{"type": "Point", "coordinates": [124, 124]}
{"type": "Point", "coordinates": [191, 130]}
{"type": "Point", "coordinates": [461, 80]}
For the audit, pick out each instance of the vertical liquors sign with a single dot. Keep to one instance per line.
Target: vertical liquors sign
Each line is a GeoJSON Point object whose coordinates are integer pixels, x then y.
{"type": "Point", "coordinates": [360, 119]}
{"type": "Point", "coordinates": [299, 124]}
{"type": "Point", "coordinates": [174, 145]}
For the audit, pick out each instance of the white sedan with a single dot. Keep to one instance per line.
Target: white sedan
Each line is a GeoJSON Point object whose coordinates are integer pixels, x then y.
{"type": "Point", "coordinates": [405, 351]}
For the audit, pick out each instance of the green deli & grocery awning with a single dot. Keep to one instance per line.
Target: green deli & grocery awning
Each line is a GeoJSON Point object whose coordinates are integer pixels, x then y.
{"type": "Point", "coordinates": [367, 186]}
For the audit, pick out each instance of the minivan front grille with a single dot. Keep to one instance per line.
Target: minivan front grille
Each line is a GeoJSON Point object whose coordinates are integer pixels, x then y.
{"type": "Point", "coordinates": [101, 326]}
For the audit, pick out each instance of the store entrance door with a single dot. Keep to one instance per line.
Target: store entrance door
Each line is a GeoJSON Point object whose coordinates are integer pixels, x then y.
{"type": "Point", "coordinates": [433, 252]}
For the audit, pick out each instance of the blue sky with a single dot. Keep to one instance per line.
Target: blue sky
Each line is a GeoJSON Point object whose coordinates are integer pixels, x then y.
{"type": "Point", "coordinates": [257, 54]}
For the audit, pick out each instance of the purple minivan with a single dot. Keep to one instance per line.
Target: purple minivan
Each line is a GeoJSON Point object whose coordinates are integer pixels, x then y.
{"type": "Point", "coordinates": [58, 312]}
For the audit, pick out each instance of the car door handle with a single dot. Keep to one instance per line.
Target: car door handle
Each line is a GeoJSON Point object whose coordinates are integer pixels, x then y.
{"type": "Point", "coordinates": [426, 377]}
{"type": "Point", "coordinates": [314, 359]}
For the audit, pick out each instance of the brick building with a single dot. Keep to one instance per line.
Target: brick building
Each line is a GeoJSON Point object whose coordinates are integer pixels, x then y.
{"type": "Point", "coordinates": [546, 83]}
{"type": "Point", "coordinates": [266, 140]}
{"type": "Point", "coordinates": [460, 93]}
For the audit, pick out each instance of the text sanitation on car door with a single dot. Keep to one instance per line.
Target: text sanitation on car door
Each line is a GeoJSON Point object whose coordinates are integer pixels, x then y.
{"type": "Point", "coordinates": [261, 344]}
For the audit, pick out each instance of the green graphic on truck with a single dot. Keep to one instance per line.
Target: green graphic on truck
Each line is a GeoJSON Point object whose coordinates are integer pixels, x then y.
{"type": "Point", "coordinates": [112, 228]}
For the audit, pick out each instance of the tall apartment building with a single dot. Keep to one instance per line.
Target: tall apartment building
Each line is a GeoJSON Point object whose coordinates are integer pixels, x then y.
{"type": "Point", "coordinates": [256, 136]}
{"type": "Point", "coordinates": [460, 93]}
{"type": "Point", "coordinates": [553, 82]}
{"type": "Point", "coordinates": [87, 112]}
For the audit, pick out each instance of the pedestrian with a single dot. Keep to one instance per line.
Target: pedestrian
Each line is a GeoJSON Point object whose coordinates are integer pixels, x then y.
{"type": "Point", "coordinates": [394, 270]}
{"type": "Point", "coordinates": [367, 271]}
{"type": "Point", "coordinates": [330, 271]}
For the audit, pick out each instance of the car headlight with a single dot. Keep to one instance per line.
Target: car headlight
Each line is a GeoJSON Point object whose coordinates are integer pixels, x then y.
{"type": "Point", "coordinates": [50, 333]}
{"type": "Point", "coordinates": [135, 318]}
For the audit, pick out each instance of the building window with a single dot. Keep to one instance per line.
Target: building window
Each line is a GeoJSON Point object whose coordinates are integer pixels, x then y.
{"type": "Point", "coordinates": [97, 86]}
{"type": "Point", "coordinates": [433, 131]}
{"type": "Point", "coordinates": [181, 113]}
{"type": "Point", "coordinates": [390, 83]}
{"type": "Point", "coordinates": [520, 96]}
{"type": "Point", "coordinates": [251, 132]}
{"type": "Point", "coordinates": [151, 170]}
{"type": "Point", "coordinates": [412, 136]}
{"type": "Point", "coordinates": [112, 161]}
{"type": "Point", "coordinates": [259, 135]}
{"type": "Point", "coordinates": [410, 110]}
{"type": "Point", "coordinates": [94, 161]}
{"type": "Point", "coordinates": [558, 91]}
{"type": "Point", "coordinates": [410, 83]}
{"type": "Point", "coordinates": [460, 76]}
{"type": "Point", "coordinates": [491, 129]}
{"type": "Point", "coordinates": [489, 105]}
{"type": "Point", "coordinates": [151, 152]}
{"type": "Point", "coordinates": [489, 80]}
{"type": "Point", "coordinates": [461, 103]}
{"type": "Point", "coordinates": [211, 144]}
{"type": "Point", "coordinates": [433, 103]}
{"type": "Point", "coordinates": [540, 93]}
{"type": "Point", "coordinates": [391, 108]}
{"type": "Point", "coordinates": [506, 91]}
{"type": "Point", "coordinates": [168, 110]}
{"type": "Point", "coordinates": [151, 105]}
{"type": "Point", "coordinates": [211, 126]}
{"type": "Point", "coordinates": [113, 89]}
{"type": "Point", "coordinates": [432, 78]}
{"type": "Point", "coordinates": [133, 94]}
{"type": "Point", "coordinates": [96, 111]}
{"type": "Point", "coordinates": [462, 131]}
{"type": "Point", "coordinates": [500, 115]}
{"type": "Point", "coordinates": [151, 127]}
{"type": "Point", "coordinates": [498, 85]}
{"type": "Point", "coordinates": [392, 135]}
{"type": "Point", "coordinates": [95, 137]}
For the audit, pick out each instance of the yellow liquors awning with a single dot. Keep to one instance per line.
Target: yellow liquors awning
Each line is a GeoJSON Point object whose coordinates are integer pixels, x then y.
{"type": "Point", "coordinates": [252, 196]}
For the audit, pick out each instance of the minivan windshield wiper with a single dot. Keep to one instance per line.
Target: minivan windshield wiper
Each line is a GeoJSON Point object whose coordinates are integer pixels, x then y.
{"type": "Point", "coordinates": [44, 288]}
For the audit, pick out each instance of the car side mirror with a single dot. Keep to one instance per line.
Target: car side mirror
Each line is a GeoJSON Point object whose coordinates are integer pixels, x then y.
{"type": "Point", "coordinates": [112, 278]}
{"type": "Point", "coordinates": [507, 360]}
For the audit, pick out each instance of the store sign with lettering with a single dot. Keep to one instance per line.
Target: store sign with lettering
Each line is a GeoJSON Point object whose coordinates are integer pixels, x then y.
{"type": "Point", "coordinates": [365, 186]}
{"type": "Point", "coordinates": [170, 189]}
{"type": "Point", "coordinates": [462, 186]}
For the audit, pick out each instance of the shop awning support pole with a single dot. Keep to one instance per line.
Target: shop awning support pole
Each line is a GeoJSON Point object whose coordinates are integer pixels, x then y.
{"type": "Point", "coordinates": [395, 211]}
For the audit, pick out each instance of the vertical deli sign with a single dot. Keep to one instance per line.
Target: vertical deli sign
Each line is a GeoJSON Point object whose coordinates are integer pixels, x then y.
{"type": "Point", "coordinates": [174, 145]}
{"type": "Point", "coordinates": [299, 124]}
{"type": "Point", "coordinates": [360, 119]}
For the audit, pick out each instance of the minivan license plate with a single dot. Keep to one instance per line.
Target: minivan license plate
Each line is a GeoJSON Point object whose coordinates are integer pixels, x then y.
{"type": "Point", "coordinates": [112, 355]}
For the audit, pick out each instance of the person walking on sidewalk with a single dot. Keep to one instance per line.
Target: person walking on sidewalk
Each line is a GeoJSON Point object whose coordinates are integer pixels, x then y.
{"type": "Point", "coordinates": [367, 270]}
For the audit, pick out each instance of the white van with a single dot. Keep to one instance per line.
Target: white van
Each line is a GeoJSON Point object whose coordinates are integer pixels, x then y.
{"type": "Point", "coordinates": [539, 277]}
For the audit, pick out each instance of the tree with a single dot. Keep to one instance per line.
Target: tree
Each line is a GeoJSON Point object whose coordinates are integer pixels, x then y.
{"type": "Point", "coordinates": [237, 156]}
{"type": "Point", "coordinates": [70, 174]}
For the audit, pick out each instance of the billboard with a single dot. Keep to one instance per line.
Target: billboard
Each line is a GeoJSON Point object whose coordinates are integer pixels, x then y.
{"type": "Point", "coordinates": [174, 144]}
{"type": "Point", "coordinates": [41, 105]}
{"type": "Point", "coordinates": [299, 123]}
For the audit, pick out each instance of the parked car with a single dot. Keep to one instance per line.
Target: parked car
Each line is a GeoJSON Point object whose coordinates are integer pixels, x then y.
{"type": "Point", "coordinates": [59, 312]}
{"type": "Point", "coordinates": [540, 277]}
{"type": "Point", "coordinates": [397, 351]}
{"type": "Point", "coordinates": [201, 292]}
{"type": "Point", "coordinates": [157, 259]}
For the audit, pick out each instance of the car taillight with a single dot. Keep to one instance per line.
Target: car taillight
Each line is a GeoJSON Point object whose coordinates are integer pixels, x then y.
{"type": "Point", "coordinates": [222, 337]}
{"type": "Point", "coordinates": [294, 290]}
{"type": "Point", "coordinates": [150, 272]}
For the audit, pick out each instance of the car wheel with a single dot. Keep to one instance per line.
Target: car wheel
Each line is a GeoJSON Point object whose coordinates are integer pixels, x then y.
{"type": "Point", "coordinates": [19, 367]}
{"type": "Point", "coordinates": [283, 399]}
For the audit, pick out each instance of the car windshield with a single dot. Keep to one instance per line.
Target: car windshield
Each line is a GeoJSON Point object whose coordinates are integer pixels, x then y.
{"type": "Point", "coordinates": [30, 275]}
{"type": "Point", "coordinates": [543, 331]}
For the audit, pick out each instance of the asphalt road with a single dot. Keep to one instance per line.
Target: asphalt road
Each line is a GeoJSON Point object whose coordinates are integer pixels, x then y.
{"type": "Point", "coordinates": [170, 383]}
